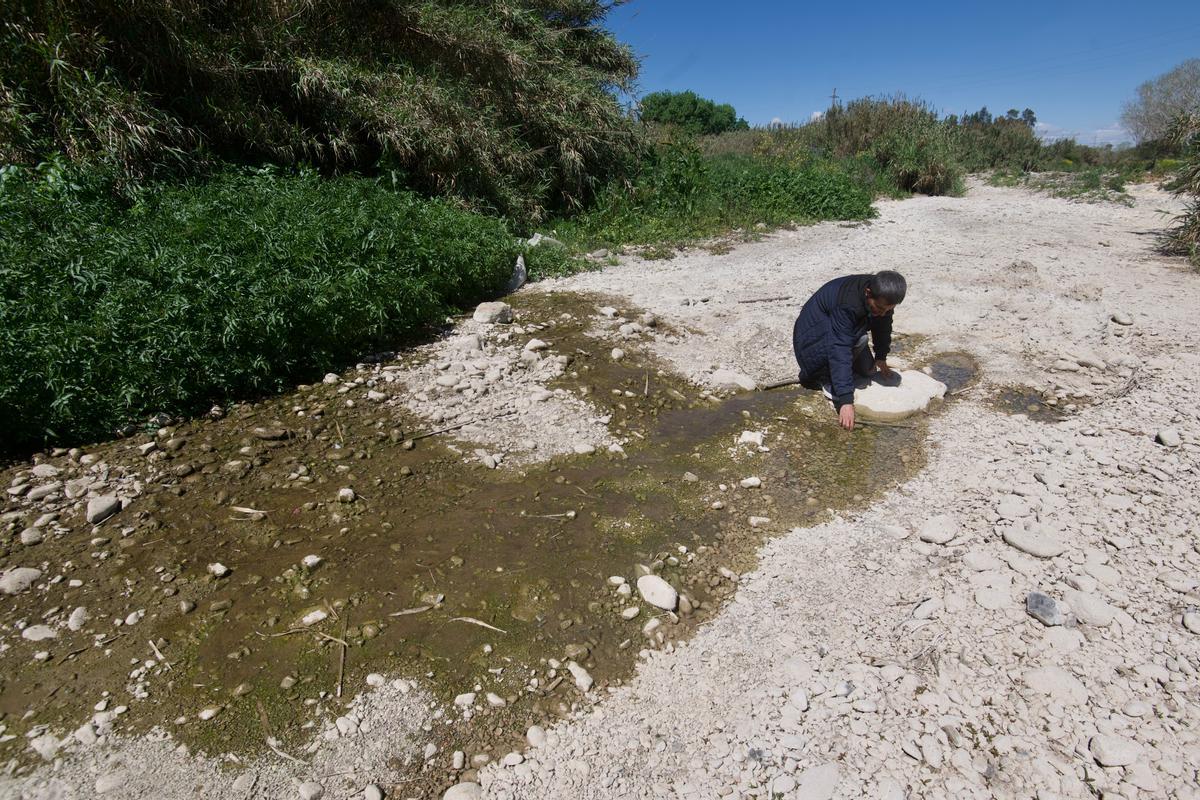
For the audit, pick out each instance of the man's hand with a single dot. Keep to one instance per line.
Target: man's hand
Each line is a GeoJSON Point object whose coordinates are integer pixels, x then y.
{"type": "Point", "coordinates": [884, 370]}
{"type": "Point", "coordinates": [846, 416]}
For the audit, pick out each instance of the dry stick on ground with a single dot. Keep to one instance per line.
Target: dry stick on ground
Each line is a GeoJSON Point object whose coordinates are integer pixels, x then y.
{"type": "Point", "coordinates": [1130, 383]}
{"type": "Point", "coordinates": [421, 436]}
{"type": "Point", "coordinates": [158, 653]}
{"type": "Point", "coordinates": [478, 622]}
{"type": "Point", "coordinates": [767, 299]}
{"type": "Point", "coordinates": [406, 612]}
{"type": "Point", "coordinates": [342, 658]}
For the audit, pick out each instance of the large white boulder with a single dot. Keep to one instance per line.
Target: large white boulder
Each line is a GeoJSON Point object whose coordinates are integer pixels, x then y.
{"type": "Point", "coordinates": [911, 395]}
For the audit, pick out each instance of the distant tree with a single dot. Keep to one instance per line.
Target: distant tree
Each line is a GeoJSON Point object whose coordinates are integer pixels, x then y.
{"type": "Point", "coordinates": [691, 112]}
{"type": "Point", "coordinates": [1162, 100]}
{"type": "Point", "coordinates": [1029, 118]}
{"type": "Point", "coordinates": [1013, 114]}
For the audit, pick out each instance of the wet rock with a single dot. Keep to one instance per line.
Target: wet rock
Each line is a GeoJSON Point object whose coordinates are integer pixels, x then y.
{"type": "Point", "coordinates": [1169, 437]}
{"type": "Point", "coordinates": [912, 395]}
{"type": "Point", "coordinates": [493, 313]}
{"type": "Point", "coordinates": [729, 379]}
{"type": "Point", "coordinates": [1043, 608]}
{"type": "Point", "coordinates": [583, 678]}
{"type": "Point", "coordinates": [467, 790]}
{"type": "Point", "coordinates": [657, 592]}
{"type": "Point", "coordinates": [38, 633]}
{"type": "Point", "coordinates": [18, 579]}
{"type": "Point", "coordinates": [45, 471]}
{"type": "Point", "coordinates": [101, 508]}
{"type": "Point", "coordinates": [938, 530]}
{"type": "Point", "coordinates": [1114, 751]}
{"type": "Point", "coordinates": [536, 736]}
{"type": "Point", "coordinates": [313, 617]}
{"type": "Point", "coordinates": [78, 618]}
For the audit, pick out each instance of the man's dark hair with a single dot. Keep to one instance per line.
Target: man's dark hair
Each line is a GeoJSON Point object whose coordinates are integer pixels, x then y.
{"type": "Point", "coordinates": [888, 286]}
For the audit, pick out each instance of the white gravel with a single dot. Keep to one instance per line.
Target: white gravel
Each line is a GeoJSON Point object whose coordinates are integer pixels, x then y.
{"type": "Point", "coordinates": [860, 659]}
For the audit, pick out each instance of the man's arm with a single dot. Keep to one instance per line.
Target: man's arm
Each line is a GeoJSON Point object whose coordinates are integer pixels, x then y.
{"type": "Point", "coordinates": [841, 356]}
{"type": "Point", "coordinates": [881, 336]}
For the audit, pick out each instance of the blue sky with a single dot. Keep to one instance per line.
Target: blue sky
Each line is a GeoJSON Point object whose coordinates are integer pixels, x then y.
{"type": "Point", "coordinates": [1075, 64]}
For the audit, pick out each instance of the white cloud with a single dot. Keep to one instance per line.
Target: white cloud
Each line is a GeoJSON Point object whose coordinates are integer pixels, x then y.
{"type": "Point", "coordinates": [816, 115]}
{"type": "Point", "coordinates": [775, 122]}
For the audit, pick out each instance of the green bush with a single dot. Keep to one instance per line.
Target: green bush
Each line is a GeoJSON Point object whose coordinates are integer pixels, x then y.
{"type": "Point", "coordinates": [181, 296]}
{"type": "Point", "coordinates": [681, 195]}
{"type": "Point", "coordinates": [1183, 236]}
{"type": "Point", "coordinates": [694, 114]}
{"type": "Point", "coordinates": [508, 106]}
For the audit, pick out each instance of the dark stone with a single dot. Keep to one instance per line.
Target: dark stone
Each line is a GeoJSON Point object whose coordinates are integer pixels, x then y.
{"type": "Point", "coordinates": [1043, 608]}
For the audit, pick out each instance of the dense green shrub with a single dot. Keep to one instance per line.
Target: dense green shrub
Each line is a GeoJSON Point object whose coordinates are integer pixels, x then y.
{"type": "Point", "coordinates": [507, 105]}
{"type": "Point", "coordinates": [1183, 237]}
{"type": "Point", "coordinates": [226, 288]}
{"type": "Point", "coordinates": [694, 114]}
{"type": "Point", "coordinates": [681, 194]}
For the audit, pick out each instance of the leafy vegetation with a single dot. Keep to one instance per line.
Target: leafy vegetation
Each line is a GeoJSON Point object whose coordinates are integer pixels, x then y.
{"type": "Point", "coordinates": [690, 112]}
{"type": "Point", "coordinates": [1183, 237]}
{"type": "Point", "coordinates": [220, 288]}
{"type": "Point", "coordinates": [681, 195]}
{"type": "Point", "coordinates": [506, 106]}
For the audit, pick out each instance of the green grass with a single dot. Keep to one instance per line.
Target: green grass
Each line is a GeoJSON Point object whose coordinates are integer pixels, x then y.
{"type": "Point", "coordinates": [682, 196]}
{"type": "Point", "coordinates": [116, 308]}
{"type": "Point", "coordinates": [1090, 185]}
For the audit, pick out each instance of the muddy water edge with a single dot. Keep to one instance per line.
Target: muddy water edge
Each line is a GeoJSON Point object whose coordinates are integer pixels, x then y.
{"type": "Point", "coordinates": [432, 532]}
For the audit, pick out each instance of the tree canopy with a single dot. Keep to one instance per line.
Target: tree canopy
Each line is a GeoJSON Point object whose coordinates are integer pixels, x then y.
{"type": "Point", "coordinates": [1162, 100]}
{"type": "Point", "coordinates": [694, 114]}
{"type": "Point", "coordinates": [508, 104]}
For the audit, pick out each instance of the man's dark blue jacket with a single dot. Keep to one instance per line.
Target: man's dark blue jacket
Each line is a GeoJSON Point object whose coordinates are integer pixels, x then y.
{"type": "Point", "coordinates": [829, 325]}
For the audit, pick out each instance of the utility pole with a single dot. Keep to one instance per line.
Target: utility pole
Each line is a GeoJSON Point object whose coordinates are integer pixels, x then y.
{"type": "Point", "coordinates": [833, 98]}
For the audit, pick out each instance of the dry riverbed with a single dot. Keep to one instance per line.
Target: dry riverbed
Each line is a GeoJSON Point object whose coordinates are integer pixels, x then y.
{"type": "Point", "coordinates": [306, 598]}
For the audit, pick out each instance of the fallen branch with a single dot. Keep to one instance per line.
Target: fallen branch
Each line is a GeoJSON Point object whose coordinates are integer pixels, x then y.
{"type": "Point", "coordinates": [780, 384]}
{"type": "Point", "coordinates": [158, 653]}
{"type": "Point", "coordinates": [767, 299]}
{"type": "Point", "coordinates": [478, 622]}
{"type": "Point", "coordinates": [342, 658]}
{"type": "Point", "coordinates": [439, 431]}
{"type": "Point", "coordinates": [408, 611]}
{"type": "Point", "coordinates": [274, 748]}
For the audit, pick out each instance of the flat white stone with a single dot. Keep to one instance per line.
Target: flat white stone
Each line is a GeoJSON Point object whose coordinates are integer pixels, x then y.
{"type": "Point", "coordinates": [818, 783]}
{"type": "Point", "coordinates": [912, 395]}
{"type": "Point", "coordinates": [1056, 682]}
{"type": "Point", "coordinates": [467, 790]}
{"type": "Point", "coordinates": [657, 592]}
{"type": "Point", "coordinates": [492, 313]}
{"type": "Point", "coordinates": [18, 579]}
{"type": "Point", "coordinates": [1114, 751]}
{"type": "Point", "coordinates": [729, 379]}
{"type": "Point", "coordinates": [1035, 543]}
{"type": "Point", "coordinates": [583, 679]}
{"type": "Point", "coordinates": [938, 530]}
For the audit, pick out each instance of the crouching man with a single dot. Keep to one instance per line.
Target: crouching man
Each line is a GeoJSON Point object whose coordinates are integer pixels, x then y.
{"type": "Point", "coordinates": [830, 335]}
